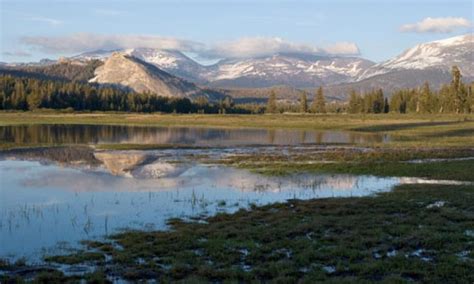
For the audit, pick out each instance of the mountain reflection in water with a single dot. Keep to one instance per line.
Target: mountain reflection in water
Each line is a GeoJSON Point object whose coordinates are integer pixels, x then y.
{"type": "Point", "coordinates": [55, 196]}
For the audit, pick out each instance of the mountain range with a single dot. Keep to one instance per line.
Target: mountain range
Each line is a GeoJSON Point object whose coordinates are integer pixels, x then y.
{"type": "Point", "coordinates": [129, 71]}
{"type": "Point", "coordinates": [173, 73]}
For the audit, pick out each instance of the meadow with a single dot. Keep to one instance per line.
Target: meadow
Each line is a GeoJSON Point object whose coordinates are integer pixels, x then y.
{"type": "Point", "coordinates": [415, 232]}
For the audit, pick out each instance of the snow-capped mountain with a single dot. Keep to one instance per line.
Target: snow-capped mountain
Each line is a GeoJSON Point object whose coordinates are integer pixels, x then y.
{"type": "Point", "coordinates": [100, 54]}
{"type": "Point", "coordinates": [131, 72]}
{"type": "Point", "coordinates": [441, 54]}
{"type": "Point", "coordinates": [171, 61]}
{"type": "Point", "coordinates": [280, 69]}
{"type": "Point", "coordinates": [294, 70]}
{"type": "Point", "coordinates": [427, 62]}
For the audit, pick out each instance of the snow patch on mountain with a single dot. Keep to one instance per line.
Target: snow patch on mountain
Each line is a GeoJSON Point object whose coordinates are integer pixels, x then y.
{"type": "Point", "coordinates": [280, 66]}
{"type": "Point", "coordinates": [441, 54]}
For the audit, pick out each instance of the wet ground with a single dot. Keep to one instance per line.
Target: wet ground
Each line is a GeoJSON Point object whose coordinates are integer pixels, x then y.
{"type": "Point", "coordinates": [54, 197]}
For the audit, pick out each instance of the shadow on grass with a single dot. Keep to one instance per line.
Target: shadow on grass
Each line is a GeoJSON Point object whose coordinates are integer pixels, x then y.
{"type": "Point", "coordinates": [454, 132]}
{"type": "Point", "coordinates": [404, 126]}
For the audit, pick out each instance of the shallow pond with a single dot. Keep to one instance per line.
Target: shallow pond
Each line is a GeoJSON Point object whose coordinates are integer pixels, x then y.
{"type": "Point", "coordinates": [100, 134]}
{"type": "Point", "coordinates": [48, 204]}
{"type": "Point", "coordinates": [51, 198]}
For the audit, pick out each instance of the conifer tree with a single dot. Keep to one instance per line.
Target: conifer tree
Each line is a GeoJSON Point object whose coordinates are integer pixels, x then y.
{"type": "Point", "coordinates": [303, 103]}
{"type": "Point", "coordinates": [354, 102]}
{"type": "Point", "coordinates": [34, 101]}
{"type": "Point", "coordinates": [378, 101]}
{"type": "Point", "coordinates": [319, 103]}
{"type": "Point", "coordinates": [426, 99]}
{"type": "Point", "coordinates": [271, 103]}
{"type": "Point", "coordinates": [386, 106]}
{"type": "Point", "coordinates": [458, 91]}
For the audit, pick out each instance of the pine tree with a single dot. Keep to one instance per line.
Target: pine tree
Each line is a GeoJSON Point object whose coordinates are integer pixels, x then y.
{"type": "Point", "coordinates": [470, 97]}
{"type": "Point", "coordinates": [354, 102]}
{"type": "Point", "coordinates": [398, 102]}
{"type": "Point", "coordinates": [271, 103]}
{"type": "Point", "coordinates": [2, 99]}
{"type": "Point", "coordinates": [304, 103]}
{"type": "Point", "coordinates": [378, 102]}
{"type": "Point", "coordinates": [34, 101]}
{"type": "Point", "coordinates": [319, 103]}
{"type": "Point", "coordinates": [19, 96]}
{"type": "Point", "coordinates": [412, 101]}
{"type": "Point", "coordinates": [201, 102]}
{"type": "Point", "coordinates": [458, 91]}
{"type": "Point", "coordinates": [425, 100]}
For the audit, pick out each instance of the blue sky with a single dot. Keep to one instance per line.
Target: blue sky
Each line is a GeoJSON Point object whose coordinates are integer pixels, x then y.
{"type": "Point", "coordinates": [377, 30]}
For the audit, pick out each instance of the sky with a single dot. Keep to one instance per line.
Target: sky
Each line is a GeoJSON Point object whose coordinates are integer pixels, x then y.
{"type": "Point", "coordinates": [211, 29]}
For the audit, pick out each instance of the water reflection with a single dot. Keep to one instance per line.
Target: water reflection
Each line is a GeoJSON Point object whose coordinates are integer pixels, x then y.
{"type": "Point", "coordinates": [44, 204]}
{"type": "Point", "coordinates": [96, 134]}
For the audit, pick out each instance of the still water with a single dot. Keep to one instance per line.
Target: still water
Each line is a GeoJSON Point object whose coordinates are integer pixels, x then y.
{"type": "Point", "coordinates": [97, 134]}
{"type": "Point", "coordinates": [51, 199]}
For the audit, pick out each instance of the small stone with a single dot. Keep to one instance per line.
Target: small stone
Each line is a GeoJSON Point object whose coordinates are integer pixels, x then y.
{"type": "Point", "coordinates": [329, 269]}
{"type": "Point", "coordinates": [377, 255]}
{"type": "Point", "coordinates": [437, 204]}
{"type": "Point", "coordinates": [392, 253]}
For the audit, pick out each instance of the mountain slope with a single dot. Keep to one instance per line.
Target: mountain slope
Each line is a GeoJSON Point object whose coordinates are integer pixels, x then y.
{"type": "Point", "coordinates": [294, 70]}
{"type": "Point", "coordinates": [438, 55]}
{"type": "Point", "coordinates": [428, 62]}
{"type": "Point", "coordinates": [171, 61]}
{"type": "Point", "coordinates": [127, 71]}
{"type": "Point", "coordinates": [60, 70]}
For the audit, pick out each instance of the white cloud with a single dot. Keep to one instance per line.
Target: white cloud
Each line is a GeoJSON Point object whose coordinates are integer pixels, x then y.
{"type": "Point", "coordinates": [437, 25]}
{"type": "Point", "coordinates": [82, 42]}
{"type": "Point", "coordinates": [343, 48]}
{"type": "Point", "coordinates": [258, 46]}
{"type": "Point", "coordinates": [241, 48]}
{"type": "Point", "coordinates": [261, 46]}
{"type": "Point", "coordinates": [50, 21]}
{"type": "Point", "coordinates": [18, 53]}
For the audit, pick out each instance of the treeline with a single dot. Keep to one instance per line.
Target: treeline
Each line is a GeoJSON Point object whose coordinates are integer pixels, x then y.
{"type": "Point", "coordinates": [318, 105]}
{"type": "Point", "coordinates": [20, 93]}
{"type": "Point", "coordinates": [455, 97]}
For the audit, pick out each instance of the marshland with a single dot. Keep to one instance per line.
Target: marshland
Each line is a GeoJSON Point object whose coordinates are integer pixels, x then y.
{"type": "Point", "coordinates": [197, 198]}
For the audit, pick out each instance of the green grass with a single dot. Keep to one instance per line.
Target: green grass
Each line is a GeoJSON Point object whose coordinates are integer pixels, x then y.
{"type": "Point", "coordinates": [397, 236]}
{"type": "Point", "coordinates": [448, 170]}
{"type": "Point", "coordinates": [393, 161]}
{"type": "Point", "coordinates": [358, 122]}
